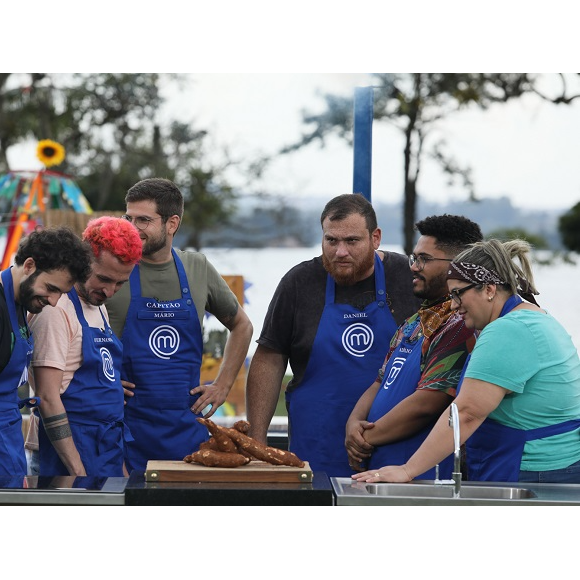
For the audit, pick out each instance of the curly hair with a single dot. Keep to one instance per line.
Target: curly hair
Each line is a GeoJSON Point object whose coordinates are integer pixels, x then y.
{"type": "Point", "coordinates": [453, 233]}
{"type": "Point", "coordinates": [115, 235]}
{"type": "Point", "coordinates": [56, 248]}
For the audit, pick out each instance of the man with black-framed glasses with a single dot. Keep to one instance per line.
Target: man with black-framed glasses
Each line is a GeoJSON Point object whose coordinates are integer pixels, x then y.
{"type": "Point", "coordinates": [421, 371]}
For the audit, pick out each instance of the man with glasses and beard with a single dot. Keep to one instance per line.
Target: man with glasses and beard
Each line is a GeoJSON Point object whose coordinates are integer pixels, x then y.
{"type": "Point", "coordinates": [420, 374]}
{"type": "Point", "coordinates": [331, 318]}
{"type": "Point", "coordinates": [159, 318]}
{"type": "Point", "coordinates": [46, 265]}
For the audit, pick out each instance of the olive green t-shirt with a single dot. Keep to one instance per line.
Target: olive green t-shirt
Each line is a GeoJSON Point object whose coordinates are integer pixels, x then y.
{"type": "Point", "coordinates": [160, 281]}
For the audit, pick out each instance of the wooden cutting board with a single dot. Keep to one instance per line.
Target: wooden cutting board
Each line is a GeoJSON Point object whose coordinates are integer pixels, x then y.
{"type": "Point", "coordinates": [253, 472]}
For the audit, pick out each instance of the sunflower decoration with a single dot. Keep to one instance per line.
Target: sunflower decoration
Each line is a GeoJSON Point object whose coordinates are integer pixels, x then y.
{"type": "Point", "coordinates": [50, 152]}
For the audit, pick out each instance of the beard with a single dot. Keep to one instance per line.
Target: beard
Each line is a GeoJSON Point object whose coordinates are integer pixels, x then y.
{"type": "Point", "coordinates": [433, 290]}
{"type": "Point", "coordinates": [87, 297]}
{"type": "Point", "coordinates": [356, 273]}
{"type": "Point", "coordinates": [27, 298]}
{"type": "Point", "coordinates": [154, 244]}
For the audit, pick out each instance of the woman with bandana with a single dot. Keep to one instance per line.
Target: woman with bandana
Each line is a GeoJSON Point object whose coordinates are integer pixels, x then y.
{"type": "Point", "coordinates": [519, 402]}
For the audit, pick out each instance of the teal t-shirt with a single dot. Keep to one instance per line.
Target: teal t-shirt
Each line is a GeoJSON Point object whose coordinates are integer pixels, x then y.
{"type": "Point", "coordinates": [531, 354]}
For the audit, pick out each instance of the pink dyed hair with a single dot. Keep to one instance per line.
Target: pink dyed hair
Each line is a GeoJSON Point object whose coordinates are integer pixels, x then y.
{"type": "Point", "coordinates": [115, 235]}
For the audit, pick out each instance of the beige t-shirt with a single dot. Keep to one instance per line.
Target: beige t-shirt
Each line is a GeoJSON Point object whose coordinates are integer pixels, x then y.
{"type": "Point", "coordinates": [58, 342]}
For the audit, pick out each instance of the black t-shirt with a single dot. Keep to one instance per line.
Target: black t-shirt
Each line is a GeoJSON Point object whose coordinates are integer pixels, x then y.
{"type": "Point", "coordinates": [295, 310]}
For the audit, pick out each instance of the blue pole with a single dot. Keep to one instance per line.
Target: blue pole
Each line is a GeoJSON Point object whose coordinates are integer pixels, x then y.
{"type": "Point", "coordinates": [363, 141]}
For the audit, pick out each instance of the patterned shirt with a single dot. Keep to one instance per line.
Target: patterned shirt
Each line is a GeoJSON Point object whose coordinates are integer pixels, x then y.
{"type": "Point", "coordinates": [445, 347]}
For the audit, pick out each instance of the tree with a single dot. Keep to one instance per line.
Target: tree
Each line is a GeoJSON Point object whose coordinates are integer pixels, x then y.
{"type": "Point", "coordinates": [110, 126]}
{"type": "Point", "coordinates": [537, 241]}
{"type": "Point", "coordinates": [415, 103]}
{"type": "Point", "coordinates": [209, 201]}
{"type": "Point", "coordinates": [569, 227]}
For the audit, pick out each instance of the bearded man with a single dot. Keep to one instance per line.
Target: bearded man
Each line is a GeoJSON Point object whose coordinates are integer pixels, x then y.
{"type": "Point", "coordinates": [46, 265]}
{"type": "Point", "coordinates": [331, 318]}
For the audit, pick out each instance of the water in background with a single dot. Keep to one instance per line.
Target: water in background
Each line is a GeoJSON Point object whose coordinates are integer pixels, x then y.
{"type": "Point", "coordinates": [263, 268]}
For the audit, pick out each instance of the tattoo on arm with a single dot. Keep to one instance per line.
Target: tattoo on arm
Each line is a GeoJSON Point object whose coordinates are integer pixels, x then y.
{"type": "Point", "coordinates": [57, 427]}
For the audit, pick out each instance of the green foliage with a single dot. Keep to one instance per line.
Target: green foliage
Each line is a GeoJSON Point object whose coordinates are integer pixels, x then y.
{"type": "Point", "coordinates": [415, 103]}
{"type": "Point", "coordinates": [110, 125]}
{"type": "Point", "coordinates": [209, 200]}
{"type": "Point", "coordinates": [569, 227]}
{"type": "Point", "coordinates": [537, 241]}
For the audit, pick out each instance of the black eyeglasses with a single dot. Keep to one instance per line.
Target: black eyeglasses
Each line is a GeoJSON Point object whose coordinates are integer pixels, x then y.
{"type": "Point", "coordinates": [456, 293]}
{"type": "Point", "coordinates": [421, 260]}
{"type": "Point", "coordinates": [141, 222]}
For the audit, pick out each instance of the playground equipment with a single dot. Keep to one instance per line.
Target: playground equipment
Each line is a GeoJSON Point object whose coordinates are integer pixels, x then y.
{"type": "Point", "coordinates": [26, 196]}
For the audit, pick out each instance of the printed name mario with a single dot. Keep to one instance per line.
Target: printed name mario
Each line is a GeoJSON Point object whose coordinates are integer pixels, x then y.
{"type": "Point", "coordinates": [355, 315]}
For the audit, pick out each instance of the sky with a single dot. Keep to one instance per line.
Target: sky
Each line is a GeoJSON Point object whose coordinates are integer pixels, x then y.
{"type": "Point", "coordinates": [526, 150]}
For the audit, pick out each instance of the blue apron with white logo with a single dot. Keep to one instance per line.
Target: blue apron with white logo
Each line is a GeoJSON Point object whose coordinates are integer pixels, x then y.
{"type": "Point", "coordinates": [402, 375]}
{"type": "Point", "coordinates": [162, 353]}
{"type": "Point", "coordinates": [494, 451]}
{"type": "Point", "coordinates": [349, 348]}
{"type": "Point", "coordinates": [14, 374]}
{"type": "Point", "coordinates": [94, 405]}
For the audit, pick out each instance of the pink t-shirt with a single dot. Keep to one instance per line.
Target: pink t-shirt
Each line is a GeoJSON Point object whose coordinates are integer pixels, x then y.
{"type": "Point", "coordinates": [58, 344]}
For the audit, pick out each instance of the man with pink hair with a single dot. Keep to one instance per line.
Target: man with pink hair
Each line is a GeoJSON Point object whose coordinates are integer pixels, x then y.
{"type": "Point", "coordinates": [77, 360]}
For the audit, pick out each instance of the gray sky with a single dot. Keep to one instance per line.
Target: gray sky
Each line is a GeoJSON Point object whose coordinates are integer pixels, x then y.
{"type": "Point", "coordinates": [527, 150]}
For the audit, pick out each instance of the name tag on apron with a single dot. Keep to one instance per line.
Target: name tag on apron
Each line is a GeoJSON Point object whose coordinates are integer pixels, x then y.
{"type": "Point", "coordinates": [163, 315]}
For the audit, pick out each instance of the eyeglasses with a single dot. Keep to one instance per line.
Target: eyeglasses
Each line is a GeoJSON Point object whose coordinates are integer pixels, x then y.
{"type": "Point", "coordinates": [421, 260]}
{"type": "Point", "coordinates": [456, 293]}
{"type": "Point", "coordinates": [141, 222]}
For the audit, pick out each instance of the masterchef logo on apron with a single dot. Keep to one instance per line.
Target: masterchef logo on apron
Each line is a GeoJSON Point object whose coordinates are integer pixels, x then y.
{"type": "Point", "coordinates": [108, 366]}
{"type": "Point", "coordinates": [394, 371]}
{"type": "Point", "coordinates": [164, 341]}
{"type": "Point", "coordinates": [357, 339]}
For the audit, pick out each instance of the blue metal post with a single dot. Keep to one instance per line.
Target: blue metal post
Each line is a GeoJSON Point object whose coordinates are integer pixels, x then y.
{"type": "Point", "coordinates": [363, 140]}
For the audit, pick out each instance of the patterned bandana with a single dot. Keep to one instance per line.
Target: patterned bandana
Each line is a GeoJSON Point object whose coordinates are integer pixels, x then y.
{"type": "Point", "coordinates": [480, 275]}
{"type": "Point", "coordinates": [433, 317]}
{"type": "Point", "coordinates": [473, 273]}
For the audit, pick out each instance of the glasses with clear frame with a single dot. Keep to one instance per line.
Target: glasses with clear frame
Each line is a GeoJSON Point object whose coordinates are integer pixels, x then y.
{"type": "Point", "coordinates": [421, 260]}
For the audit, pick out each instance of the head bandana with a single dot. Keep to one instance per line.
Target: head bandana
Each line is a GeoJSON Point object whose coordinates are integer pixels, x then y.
{"type": "Point", "coordinates": [473, 273]}
{"type": "Point", "coordinates": [480, 275]}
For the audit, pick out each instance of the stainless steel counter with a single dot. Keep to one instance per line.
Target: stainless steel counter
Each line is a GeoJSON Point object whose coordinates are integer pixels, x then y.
{"type": "Point", "coordinates": [65, 490]}
{"type": "Point", "coordinates": [323, 491]}
{"type": "Point", "coordinates": [425, 492]}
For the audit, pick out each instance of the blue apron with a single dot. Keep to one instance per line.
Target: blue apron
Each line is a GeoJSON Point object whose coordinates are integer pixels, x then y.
{"type": "Point", "coordinates": [162, 353]}
{"type": "Point", "coordinates": [348, 350]}
{"type": "Point", "coordinates": [494, 451]}
{"type": "Point", "coordinates": [402, 375]}
{"type": "Point", "coordinates": [93, 403]}
{"type": "Point", "coordinates": [12, 456]}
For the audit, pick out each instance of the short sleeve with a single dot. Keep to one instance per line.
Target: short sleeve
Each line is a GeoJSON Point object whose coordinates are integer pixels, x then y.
{"type": "Point", "coordinates": [505, 355]}
{"type": "Point", "coordinates": [52, 333]}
